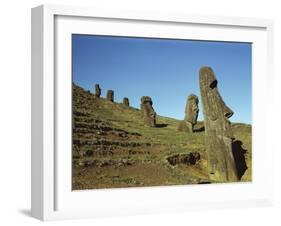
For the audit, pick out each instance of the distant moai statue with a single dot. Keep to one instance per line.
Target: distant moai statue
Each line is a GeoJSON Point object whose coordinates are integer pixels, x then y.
{"type": "Point", "coordinates": [110, 95]}
{"type": "Point", "coordinates": [148, 112]}
{"type": "Point", "coordinates": [191, 114]}
{"type": "Point", "coordinates": [97, 90]}
{"type": "Point", "coordinates": [218, 132]}
{"type": "Point", "coordinates": [126, 101]}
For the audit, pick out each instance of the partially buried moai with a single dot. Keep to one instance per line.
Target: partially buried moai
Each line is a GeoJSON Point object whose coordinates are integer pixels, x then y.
{"type": "Point", "coordinates": [110, 95]}
{"type": "Point", "coordinates": [148, 112]}
{"type": "Point", "coordinates": [191, 114]}
{"type": "Point", "coordinates": [126, 101]}
{"type": "Point", "coordinates": [218, 132]}
{"type": "Point", "coordinates": [97, 90]}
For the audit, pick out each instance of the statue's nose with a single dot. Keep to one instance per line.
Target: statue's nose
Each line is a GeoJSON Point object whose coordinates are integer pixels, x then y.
{"type": "Point", "coordinates": [227, 111]}
{"type": "Point", "coordinates": [153, 114]}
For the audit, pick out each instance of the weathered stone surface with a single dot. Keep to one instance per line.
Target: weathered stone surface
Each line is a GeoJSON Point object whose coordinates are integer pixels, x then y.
{"type": "Point", "coordinates": [148, 112]}
{"type": "Point", "coordinates": [110, 95]}
{"type": "Point", "coordinates": [191, 109]}
{"type": "Point", "coordinates": [191, 114]}
{"type": "Point", "coordinates": [188, 159]}
{"type": "Point", "coordinates": [97, 90]}
{"type": "Point", "coordinates": [126, 101]}
{"type": "Point", "coordinates": [218, 132]}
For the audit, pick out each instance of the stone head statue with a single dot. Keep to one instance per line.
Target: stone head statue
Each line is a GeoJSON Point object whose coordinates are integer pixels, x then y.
{"type": "Point", "coordinates": [192, 109]}
{"type": "Point", "coordinates": [126, 101]}
{"type": "Point", "coordinates": [218, 132]}
{"type": "Point", "coordinates": [110, 95]}
{"type": "Point", "coordinates": [97, 90]}
{"type": "Point", "coordinates": [214, 108]}
{"type": "Point", "coordinates": [191, 114]}
{"type": "Point", "coordinates": [148, 112]}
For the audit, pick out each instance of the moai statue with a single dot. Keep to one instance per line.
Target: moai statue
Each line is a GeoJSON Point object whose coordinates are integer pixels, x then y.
{"type": "Point", "coordinates": [97, 91]}
{"type": "Point", "coordinates": [110, 95]}
{"type": "Point", "coordinates": [126, 101]}
{"type": "Point", "coordinates": [191, 114]}
{"type": "Point", "coordinates": [148, 112]}
{"type": "Point", "coordinates": [218, 132]}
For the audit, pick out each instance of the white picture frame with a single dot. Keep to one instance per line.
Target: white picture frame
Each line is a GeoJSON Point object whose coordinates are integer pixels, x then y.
{"type": "Point", "coordinates": [52, 197]}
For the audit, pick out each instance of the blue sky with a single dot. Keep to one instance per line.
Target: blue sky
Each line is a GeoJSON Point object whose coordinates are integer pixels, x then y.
{"type": "Point", "coordinates": [164, 69]}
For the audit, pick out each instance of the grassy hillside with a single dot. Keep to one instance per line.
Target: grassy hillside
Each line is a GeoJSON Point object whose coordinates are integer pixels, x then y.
{"type": "Point", "coordinates": [113, 148]}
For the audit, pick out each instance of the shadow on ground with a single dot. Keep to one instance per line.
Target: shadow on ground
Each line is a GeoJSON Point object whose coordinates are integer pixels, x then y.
{"type": "Point", "coordinates": [239, 157]}
{"type": "Point", "coordinates": [161, 125]}
{"type": "Point", "coordinates": [198, 130]}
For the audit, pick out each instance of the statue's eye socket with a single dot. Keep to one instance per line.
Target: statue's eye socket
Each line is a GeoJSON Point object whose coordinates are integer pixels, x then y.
{"type": "Point", "coordinates": [214, 84]}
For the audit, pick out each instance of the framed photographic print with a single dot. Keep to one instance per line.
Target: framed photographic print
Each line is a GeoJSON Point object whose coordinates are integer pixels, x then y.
{"type": "Point", "coordinates": [137, 112]}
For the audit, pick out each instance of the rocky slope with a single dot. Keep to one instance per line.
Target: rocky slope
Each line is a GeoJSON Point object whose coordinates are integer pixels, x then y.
{"type": "Point", "coordinates": [113, 148]}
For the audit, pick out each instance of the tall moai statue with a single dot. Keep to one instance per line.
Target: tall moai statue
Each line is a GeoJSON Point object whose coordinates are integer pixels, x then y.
{"type": "Point", "coordinates": [218, 132]}
{"type": "Point", "coordinates": [126, 101]}
{"type": "Point", "coordinates": [97, 90]}
{"type": "Point", "coordinates": [149, 115]}
{"type": "Point", "coordinates": [110, 95]}
{"type": "Point", "coordinates": [191, 114]}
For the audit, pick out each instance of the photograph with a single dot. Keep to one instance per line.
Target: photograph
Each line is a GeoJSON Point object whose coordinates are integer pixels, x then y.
{"type": "Point", "coordinates": [160, 112]}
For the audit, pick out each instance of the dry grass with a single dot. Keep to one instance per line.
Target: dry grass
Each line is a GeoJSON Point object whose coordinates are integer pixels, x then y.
{"type": "Point", "coordinates": [113, 148]}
